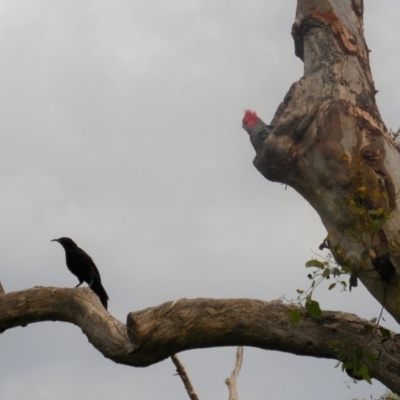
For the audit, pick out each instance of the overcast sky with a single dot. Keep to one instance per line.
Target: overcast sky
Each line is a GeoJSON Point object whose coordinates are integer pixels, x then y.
{"type": "Point", "coordinates": [121, 128]}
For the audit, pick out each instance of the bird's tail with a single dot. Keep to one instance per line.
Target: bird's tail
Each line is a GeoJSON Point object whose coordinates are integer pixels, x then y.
{"type": "Point", "coordinates": [98, 288]}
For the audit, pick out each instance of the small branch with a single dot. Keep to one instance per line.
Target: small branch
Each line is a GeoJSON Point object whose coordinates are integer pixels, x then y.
{"type": "Point", "coordinates": [1, 289]}
{"type": "Point", "coordinates": [180, 369]}
{"type": "Point", "coordinates": [232, 380]}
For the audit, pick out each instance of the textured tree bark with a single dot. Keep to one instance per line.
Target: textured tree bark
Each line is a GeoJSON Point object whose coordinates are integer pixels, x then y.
{"type": "Point", "coordinates": [329, 143]}
{"type": "Point", "coordinates": [156, 333]}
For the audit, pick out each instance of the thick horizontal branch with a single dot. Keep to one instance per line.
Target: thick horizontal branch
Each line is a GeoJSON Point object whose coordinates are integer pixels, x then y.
{"type": "Point", "coordinates": [80, 307]}
{"type": "Point", "coordinates": [153, 334]}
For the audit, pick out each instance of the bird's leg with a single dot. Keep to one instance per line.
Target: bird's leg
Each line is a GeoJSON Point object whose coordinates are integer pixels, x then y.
{"type": "Point", "coordinates": [90, 284]}
{"type": "Point", "coordinates": [79, 284]}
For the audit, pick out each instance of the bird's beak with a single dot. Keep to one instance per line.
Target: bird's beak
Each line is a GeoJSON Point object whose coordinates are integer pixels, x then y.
{"type": "Point", "coordinates": [54, 240]}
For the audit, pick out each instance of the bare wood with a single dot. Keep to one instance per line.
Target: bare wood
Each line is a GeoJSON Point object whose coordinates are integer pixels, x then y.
{"type": "Point", "coordinates": [156, 333]}
{"type": "Point", "coordinates": [180, 369]}
{"type": "Point", "coordinates": [80, 307]}
{"type": "Point", "coordinates": [231, 382]}
{"type": "Point", "coordinates": [329, 141]}
{"type": "Point", "coordinates": [1, 289]}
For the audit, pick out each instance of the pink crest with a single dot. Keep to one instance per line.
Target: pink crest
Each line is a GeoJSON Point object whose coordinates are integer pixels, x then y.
{"type": "Point", "coordinates": [250, 118]}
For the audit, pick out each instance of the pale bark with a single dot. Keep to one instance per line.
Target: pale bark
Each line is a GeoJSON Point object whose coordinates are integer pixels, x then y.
{"type": "Point", "coordinates": [231, 382]}
{"type": "Point", "coordinates": [329, 143]}
{"type": "Point", "coordinates": [156, 333]}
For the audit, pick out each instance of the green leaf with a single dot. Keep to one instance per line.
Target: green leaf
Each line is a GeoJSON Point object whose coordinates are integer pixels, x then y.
{"type": "Point", "coordinates": [366, 330]}
{"type": "Point", "coordinates": [380, 211]}
{"type": "Point", "coordinates": [384, 333]}
{"type": "Point", "coordinates": [358, 354]}
{"type": "Point", "coordinates": [348, 365]}
{"type": "Point", "coordinates": [363, 371]}
{"type": "Point", "coordinates": [362, 188]}
{"type": "Point", "coordinates": [315, 263]}
{"type": "Point", "coordinates": [326, 273]}
{"type": "Point", "coordinates": [295, 316]}
{"type": "Point", "coordinates": [363, 195]}
{"type": "Point", "coordinates": [299, 291]}
{"type": "Point", "coordinates": [377, 224]}
{"type": "Point", "coordinates": [332, 285]}
{"type": "Point", "coordinates": [312, 307]}
{"type": "Point", "coordinates": [336, 271]}
{"type": "Point", "coordinates": [371, 358]}
{"type": "Point", "coordinates": [356, 210]}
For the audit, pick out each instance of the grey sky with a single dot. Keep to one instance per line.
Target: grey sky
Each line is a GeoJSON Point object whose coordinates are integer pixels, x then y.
{"type": "Point", "coordinates": [121, 128]}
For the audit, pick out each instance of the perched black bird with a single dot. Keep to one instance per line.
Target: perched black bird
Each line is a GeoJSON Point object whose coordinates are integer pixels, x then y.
{"type": "Point", "coordinates": [83, 267]}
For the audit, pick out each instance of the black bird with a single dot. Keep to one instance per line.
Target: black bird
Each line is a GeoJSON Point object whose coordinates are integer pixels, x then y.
{"type": "Point", "coordinates": [83, 267]}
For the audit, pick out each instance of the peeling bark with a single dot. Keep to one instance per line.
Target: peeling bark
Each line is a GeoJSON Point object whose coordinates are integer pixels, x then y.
{"type": "Point", "coordinates": [156, 333]}
{"type": "Point", "coordinates": [330, 144]}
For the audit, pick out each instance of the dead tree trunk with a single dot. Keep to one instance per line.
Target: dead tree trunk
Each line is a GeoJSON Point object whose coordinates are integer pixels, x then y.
{"type": "Point", "coordinates": [330, 144]}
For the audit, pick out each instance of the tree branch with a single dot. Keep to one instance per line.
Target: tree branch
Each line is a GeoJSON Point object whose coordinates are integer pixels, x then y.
{"type": "Point", "coordinates": [330, 144]}
{"type": "Point", "coordinates": [1, 289]}
{"type": "Point", "coordinates": [231, 382]}
{"type": "Point", "coordinates": [180, 369]}
{"type": "Point", "coordinates": [156, 333]}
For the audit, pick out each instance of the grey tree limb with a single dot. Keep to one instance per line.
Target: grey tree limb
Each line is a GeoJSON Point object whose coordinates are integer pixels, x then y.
{"type": "Point", "coordinates": [154, 334]}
